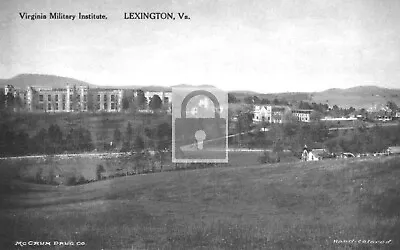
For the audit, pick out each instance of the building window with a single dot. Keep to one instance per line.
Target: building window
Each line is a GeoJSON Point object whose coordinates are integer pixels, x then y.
{"type": "Point", "coordinates": [41, 98]}
{"type": "Point", "coordinates": [49, 106]}
{"type": "Point", "coordinates": [105, 106]}
{"type": "Point", "coordinates": [56, 98]}
{"type": "Point", "coordinates": [98, 106]}
{"type": "Point", "coordinates": [105, 98]}
{"type": "Point", "coordinates": [84, 98]}
{"type": "Point", "coordinates": [98, 98]}
{"type": "Point", "coordinates": [63, 106]}
{"type": "Point", "coordinates": [70, 106]}
{"type": "Point", "coordinates": [63, 98]}
{"type": "Point", "coordinates": [112, 106]}
{"type": "Point", "coordinates": [49, 98]}
{"type": "Point", "coordinates": [78, 97]}
{"type": "Point", "coordinates": [112, 98]}
{"type": "Point", "coordinates": [70, 97]}
{"type": "Point", "coordinates": [56, 106]}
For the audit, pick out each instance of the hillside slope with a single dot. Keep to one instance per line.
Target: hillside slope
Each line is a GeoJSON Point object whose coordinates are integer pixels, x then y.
{"type": "Point", "coordinates": [280, 206]}
{"type": "Point", "coordinates": [25, 80]}
{"type": "Point", "coordinates": [369, 97]}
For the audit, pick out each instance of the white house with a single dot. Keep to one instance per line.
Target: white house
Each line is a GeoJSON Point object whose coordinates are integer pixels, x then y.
{"type": "Point", "coordinates": [393, 150]}
{"type": "Point", "coordinates": [340, 118]}
{"type": "Point", "coordinates": [262, 113]}
{"type": "Point", "coordinates": [315, 154]}
{"type": "Point", "coordinates": [275, 114]}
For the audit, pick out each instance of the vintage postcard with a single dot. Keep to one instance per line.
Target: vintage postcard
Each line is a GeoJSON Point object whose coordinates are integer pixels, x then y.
{"type": "Point", "coordinates": [209, 124]}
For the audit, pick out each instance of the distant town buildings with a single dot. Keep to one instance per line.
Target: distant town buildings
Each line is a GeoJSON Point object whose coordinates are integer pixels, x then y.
{"type": "Point", "coordinates": [276, 114]}
{"type": "Point", "coordinates": [303, 115]}
{"type": "Point", "coordinates": [341, 118]}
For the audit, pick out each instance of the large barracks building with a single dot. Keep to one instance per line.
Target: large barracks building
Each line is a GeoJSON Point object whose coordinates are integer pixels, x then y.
{"type": "Point", "coordinates": [77, 98]}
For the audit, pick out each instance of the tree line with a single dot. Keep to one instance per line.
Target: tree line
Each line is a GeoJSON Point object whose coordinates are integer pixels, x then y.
{"type": "Point", "coordinates": [46, 141]}
{"type": "Point", "coordinates": [293, 135]}
{"type": "Point", "coordinates": [54, 140]}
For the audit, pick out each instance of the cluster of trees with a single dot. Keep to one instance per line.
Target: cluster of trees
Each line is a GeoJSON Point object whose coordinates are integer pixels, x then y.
{"type": "Point", "coordinates": [392, 105]}
{"type": "Point", "coordinates": [317, 107]}
{"type": "Point", "coordinates": [324, 110]}
{"type": "Point", "coordinates": [9, 102]}
{"type": "Point", "coordinates": [250, 134]}
{"type": "Point", "coordinates": [255, 100]}
{"type": "Point", "coordinates": [46, 141]}
{"type": "Point", "coordinates": [54, 141]}
{"type": "Point", "coordinates": [156, 138]}
{"type": "Point", "coordinates": [131, 103]}
{"type": "Point", "coordinates": [340, 112]}
{"type": "Point", "coordinates": [294, 135]}
{"type": "Point", "coordinates": [363, 140]}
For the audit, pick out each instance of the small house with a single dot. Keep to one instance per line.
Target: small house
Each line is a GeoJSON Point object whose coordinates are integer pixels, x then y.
{"type": "Point", "coordinates": [347, 155]}
{"type": "Point", "coordinates": [393, 150]}
{"type": "Point", "coordinates": [316, 154]}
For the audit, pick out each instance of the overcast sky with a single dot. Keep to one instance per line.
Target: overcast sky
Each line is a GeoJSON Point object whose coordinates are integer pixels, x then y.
{"type": "Point", "coordinates": [266, 46]}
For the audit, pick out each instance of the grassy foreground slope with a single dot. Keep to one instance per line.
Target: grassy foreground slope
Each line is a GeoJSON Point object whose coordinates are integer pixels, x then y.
{"type": "Point", "coordinates": [279, 206]}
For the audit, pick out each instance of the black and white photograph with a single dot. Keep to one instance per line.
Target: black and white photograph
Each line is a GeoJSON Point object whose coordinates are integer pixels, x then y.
{"type": "Point", "coordinates": [208, 124]}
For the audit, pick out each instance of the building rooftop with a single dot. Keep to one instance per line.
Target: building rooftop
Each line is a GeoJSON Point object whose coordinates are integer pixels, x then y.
{"type": "Point", "coordinates": [302, 110]}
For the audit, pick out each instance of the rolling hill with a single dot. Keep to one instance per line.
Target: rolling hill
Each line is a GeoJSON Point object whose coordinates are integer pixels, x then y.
{"type": "Point", "coordinates": [278, 206]}
{"type": "Point", "coordinates": [368, 97]}
{"type": "Point", "coordinates": [25, 80]}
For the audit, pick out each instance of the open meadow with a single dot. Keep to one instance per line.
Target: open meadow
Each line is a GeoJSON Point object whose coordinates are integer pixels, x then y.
{"type": "Point", "coordinates": [302, 205]}
{"type": "Point", "coordinates": [59, 169]}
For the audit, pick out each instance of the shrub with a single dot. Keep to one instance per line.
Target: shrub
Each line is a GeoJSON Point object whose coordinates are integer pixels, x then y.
{"type": "Point", "coordinates": [38, 176]}
{"type": "Point", "coordinates": [99, 169]}
{"type": "Point", "coordinates": [81, 180]}
{"type": "Point", "coordinates": [50, 177]}
{"type": "Point", "coordinates": [269, 157]}
{"type": "Point", "coordinates": [71, 181]}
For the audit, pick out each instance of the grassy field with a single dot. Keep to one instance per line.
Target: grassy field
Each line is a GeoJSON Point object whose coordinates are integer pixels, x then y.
{"type": "Point", "coordinates": [278, 206]}
{"type": "Point", "coordinates": [28, 169]}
